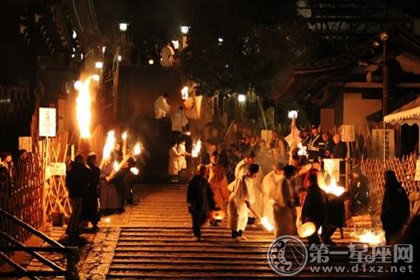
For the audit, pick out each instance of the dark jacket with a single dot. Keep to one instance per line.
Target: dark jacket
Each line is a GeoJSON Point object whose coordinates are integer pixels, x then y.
{"type": "Point", "coordinates": [395, 207]}
{"type": "Point", "coordinates": [199, 195]}
{"type": "Point", "coordinates": [339, 150]}
{"type": "Point", "coordinates": [78, 179]}
{"type": "Point", "coordinates": [314, 208]}
{"type": "Point", "coordinates": [360, 193]}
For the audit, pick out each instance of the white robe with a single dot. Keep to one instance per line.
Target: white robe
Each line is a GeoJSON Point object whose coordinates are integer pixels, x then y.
{"type": "Point", "coordinates": [240, 170]}
{"type": "Point", "coordinates": [162, 107]}
{"type": "Point", "coordinates": [182, 162]}
{"type": "Point", "coordinates": [270, 183]}
{"type": "Point", "coordinates": [178, 120]}
{"type": "Point", "coordinates": [241, 191]}
{"type": "Point", "coordinates": [173, 166]}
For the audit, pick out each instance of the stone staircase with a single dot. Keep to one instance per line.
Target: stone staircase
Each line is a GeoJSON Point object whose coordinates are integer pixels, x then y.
{"type": "Point", "coordinates": [157, 243]}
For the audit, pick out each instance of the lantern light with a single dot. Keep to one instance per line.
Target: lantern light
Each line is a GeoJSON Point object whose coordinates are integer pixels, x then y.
{"type": "Point", "coordinates": [119, 58]}
{"type": "Point", "coordinates": [151, 61]}
{"type": "Point", "coordinates": [123, 26]}
{"type": "Point", "coordinates": [74, 34]}
{"type": "Point", "coordinates": [241, 98]}
{"type": "Point", "coordinates": [99, 64]}
{"type": "Point", "coordinates": [293, 114]}
{"type": "Point", "coordinates": [184, 93]}
{"type": "Point", "coordinates": [185, 29]}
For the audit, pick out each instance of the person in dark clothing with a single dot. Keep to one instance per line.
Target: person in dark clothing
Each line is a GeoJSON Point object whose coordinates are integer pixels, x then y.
{"type": "Point", "coordinates": [395, 207]}
{"type": "Point", "coordinates": [326, 145]}
{"type": "Point", "coordinates": [314, 208]}
{"type": "Point", "coordinates": [359, 193]}
{"type": "Point", "coordinates": [77, 180]}
{"type": "Point", "coordinates": [339, 149]}
{"type": "Point", "coordinates": [200, 200]}
{"type": "Point", "coordinates": [90, 211]}
{"type": "Point", "coordinates": [335, 216]}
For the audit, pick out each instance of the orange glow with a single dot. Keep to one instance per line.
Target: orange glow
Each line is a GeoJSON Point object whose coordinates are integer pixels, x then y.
{"type": "Point", "coordinates": [196, 149]}
{"type": "Point", "coordinates": [83, 106]}
{"type": "Point", "coordinates": [109, 145]}
{"type": "Point", "coordinates": [137, 149]}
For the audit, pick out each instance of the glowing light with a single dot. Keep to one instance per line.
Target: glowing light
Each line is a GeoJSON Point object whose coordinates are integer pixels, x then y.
{"type": "Point", "coordinates": [188, 133]}
{"type": "Point", "coordinates": [74, 35]}
{"type": "Point", "coordinates": [73, 55]}
{"type": "Point", "coordinates": [184, 93]}
{"type": "Point", "coordinates": [151, 61]}
{"type": "Point", "coordinates": [109, 145]}
{"type": "Point", "coordinates": [333, 188]}
{"type": "Point", "coordinates": [293, 114]}
{"type": "Point", "coordinates": [83, 103]}
{"type": "Point", "coordinates": [220, 41]}
{"type": "Point", "coordinates": [103, 49]}
{"type": "Point", "coordinates": [306, 229]}
{"type": "Point", "coordinates": [137, 149]}
{"type": "Point", "coordinates": [320, 230]}
{"type": "Point", "coordinates": [196, 149]}
{"type": "Point", "coordinates": [107, 220]}
{"type": "Point", "coordinates": [116, 166]}
{"type": "Point", "coordinates": [184, 29]}
{"type": "Point", "coordinates": [266, 224]}
{"type": "Point", "coordinates": [82, 56]}
{"type": "Point", "coordinates": [124, 135]}
{"type": "Point", "coordinates": [99, 64]}
{"type": "Point", "coordinates": [241, 97]}
{"type": "Point", "coordinates": [119, 58]}
{"type": "Point", "coordinates": [175, 43]}
{"type": "Point", "coordinates": [218, 215]}
{"type": "Point", "coordinates": [134, 170]}
{"type": "Point", "coordinates": [302, 150]}
{"type": "Point", "coordinates": [123, 26]}
{"type": "Point", "coordinates": [372, 238]}
{"type": "Point", "coordinates": [95, 77]}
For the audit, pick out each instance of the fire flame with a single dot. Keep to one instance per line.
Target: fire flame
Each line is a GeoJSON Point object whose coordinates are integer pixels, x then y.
{"type": "Point", "coordinates": [306, 229]}
{"type": "Point", "coordinates": [124, 135]}
{"type": "Point", "coordinates": [266, 224]}
{"type": "Point", "coordinates": [134, 170]}
{"type": "Point", "coordinates": [137, 149]}
{"type": "Point", "coordinates": [302, 150]}
{"type": "Point", "coordinates": [372, 238]}
{"type": "Point", "coordinates": [83, 103]}
{"type": "Point", "coordinates": [116, 166]}
{"type": "Point", "coordinates": [109, 145]}
{"type": "Point", "coordinates": [333, 188]}
{"type": "Point", "coordinates": [196, 149]}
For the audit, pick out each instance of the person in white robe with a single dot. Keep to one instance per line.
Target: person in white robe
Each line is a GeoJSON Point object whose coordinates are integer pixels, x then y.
{"type": "Point", "coordinates": [240, 199]}
{"type": "Point", "coordinates": [240, 170]}
{"type": "Point", "coordinates": [284, 198]}
{"type": "Point", "coordinates": [270, 183]}
{"type": "Point", "coordinates": [161, 106]}
{"type": "Point", "coordinates": [167, 56]}
{"type": "Point", "coordinates": [179, 120]}
{"type": "Point", "coordinates": [173, 166]}
{"type": "Point", "coordinates": [182, 151]}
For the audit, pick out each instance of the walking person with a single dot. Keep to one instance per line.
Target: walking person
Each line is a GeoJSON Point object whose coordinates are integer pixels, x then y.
{"type": "Point", "coordinates": [395, 207]}
{"type": "Point", "coordinates": [241, 198]}
{"type": "Point", "coordinates": [90, 211]}
{"type": "Point", "coordinates": [77, 180]}
{"type": "Point", "coordinates": [200, 200]}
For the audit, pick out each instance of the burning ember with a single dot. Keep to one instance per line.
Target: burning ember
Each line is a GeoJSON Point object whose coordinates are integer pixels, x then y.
{"type": "Point", "coordinates": [306, 229]}
{"type": "Point", "coordinates": [116, 166]}
{"type": "Point", "coordinates": [372, 238]}
{"type": "Point", "coordinates": [83, 103]}
{"type": "Point", "coordinates": [266, 224]}
{"type": "Point", "coordinates": [134, 170]}
{"type": "Point", "coordinates": [332, 188]}
{"type": "Point", "coordinates": [137, 149]}
{"type": "Point", "coordinates": [109, 145]}
{"type": "Point", "coordinates": [196, 149]}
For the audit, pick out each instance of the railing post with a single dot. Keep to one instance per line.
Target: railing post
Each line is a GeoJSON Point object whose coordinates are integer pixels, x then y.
{"type": "Point", "coordinates": [73, 258]}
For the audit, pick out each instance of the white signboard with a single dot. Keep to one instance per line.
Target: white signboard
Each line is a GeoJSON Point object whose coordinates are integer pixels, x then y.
{"type": "Point", "coordinates": [347, 133]}
{"type": "Point", "coordinates": [417, 175]}
{"type": "Point", "coordinates": [25, 143]}
{"type": "Point", "coordinates": [55, 169]}
{"type": "Point", "coordinates": [47, 122]}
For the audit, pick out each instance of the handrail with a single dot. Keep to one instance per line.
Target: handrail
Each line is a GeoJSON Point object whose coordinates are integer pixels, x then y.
{"type": "Point", "coordinates": [33, 253]}
{"type": "Point", "coordinates": [31, 229]}
{"type": "Point", "coordinates": [71, 253]}
{"type": "Point", "coordinates": [15, 265]}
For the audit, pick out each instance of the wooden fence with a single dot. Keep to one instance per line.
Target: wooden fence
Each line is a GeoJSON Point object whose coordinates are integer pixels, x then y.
{"type": "Point", "coordinates": [22, 196]}
{"type": "Point", "coordinates": [404, 169]}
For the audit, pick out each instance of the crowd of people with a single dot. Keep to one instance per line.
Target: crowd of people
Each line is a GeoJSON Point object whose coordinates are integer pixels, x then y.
{"type": "Point", "coordinates": [254, 181]}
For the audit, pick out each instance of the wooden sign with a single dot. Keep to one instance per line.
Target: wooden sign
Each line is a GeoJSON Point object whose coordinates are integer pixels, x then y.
{"type": "Point", "coordinates": [332, 167]}
{"type": "Point", "coordinates": [47, 122]}
{"type": "Point", "coordinates": [25, 143]}
{"type": "Point", "coordinates": [347, 133]}
{"type": "Point", "coordinates": [417, 174]}
{"type": "Point", "coordinates": [55, 169]}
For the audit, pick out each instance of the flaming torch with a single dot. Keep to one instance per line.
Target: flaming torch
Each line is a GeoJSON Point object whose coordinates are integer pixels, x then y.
{"type": "Point", "coordinates": [124, 147]}
{"type": "Point", "coordinates": [109, 147]}
{"type": "Point", "coordinates": [196, 149]}
{"type": "Point", "coordinates": [372, 238]}
{"type": "Point", "coordinates": [83, 112]}
{"type": "Point", "coordinates": [137, 149]}
{"type": "Point", "coordinates": [333, 188]}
